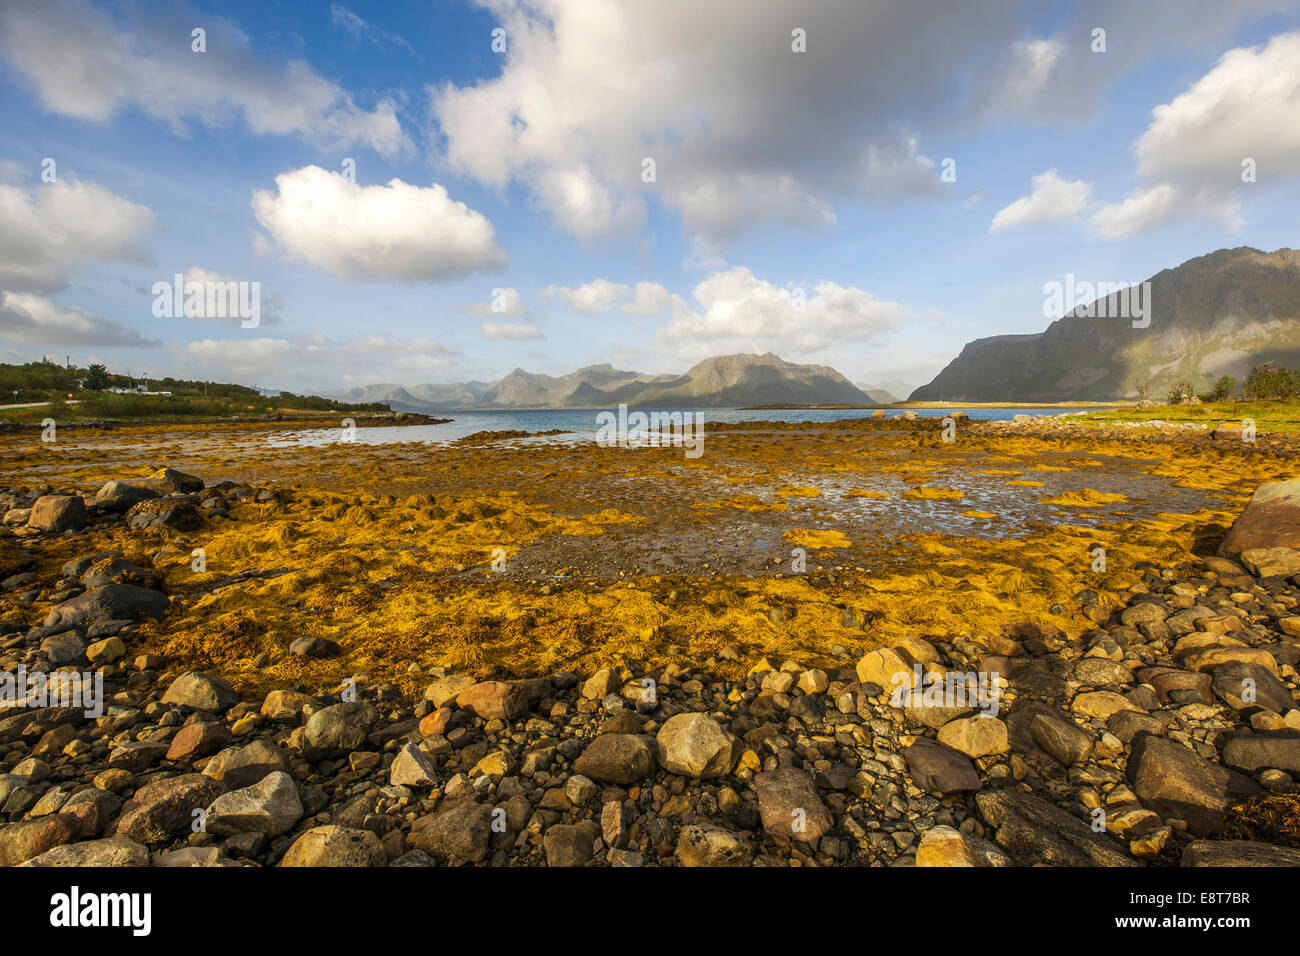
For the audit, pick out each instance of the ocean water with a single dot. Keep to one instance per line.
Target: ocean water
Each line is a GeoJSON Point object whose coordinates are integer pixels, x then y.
{"type": "Point", "coordinates": [582, 425]}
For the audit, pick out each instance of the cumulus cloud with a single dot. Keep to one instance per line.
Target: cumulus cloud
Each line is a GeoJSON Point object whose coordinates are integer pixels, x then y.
{"type": "Point", "coordinates": [1050, 199]}
{"type": "Point", "coordinates": [394, 231]}
{"type": "Point", "coordinates": [35, 320]}
{"type": "Point", "coordinates": [599, 295]}
{"type": "Point", "coordinates": [1190, 158]}
{"type": "Point", "coordinates": [81, 63]}
{"type": "Point", "coordinates": [227, 298]}
{"type": "Point", "coordinates": [507, 330]}
{"type": "Point", "coordinates": [45, 233]}
{"type": "Point", "coordinates": [743, 131]}
{"type": "Point", "coordinates": [737, 311]}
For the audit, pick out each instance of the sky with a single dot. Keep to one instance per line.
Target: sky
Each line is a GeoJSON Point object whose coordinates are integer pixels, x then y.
{"type": "Point", "coordinates": [444, 191]}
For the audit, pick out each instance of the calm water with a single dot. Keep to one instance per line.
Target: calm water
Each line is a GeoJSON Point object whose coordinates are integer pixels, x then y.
{"type": "Point", "coordinates": [581, 424]}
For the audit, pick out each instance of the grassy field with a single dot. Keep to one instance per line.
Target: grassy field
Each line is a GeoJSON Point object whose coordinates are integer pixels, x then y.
{"type": "Point", "coordinates": [1269, 415]}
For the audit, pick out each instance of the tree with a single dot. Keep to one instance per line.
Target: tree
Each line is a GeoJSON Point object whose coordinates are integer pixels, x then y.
{"type": "Point", "coordinates": [97, 378]}
{"type": "Point", "coordinates": [1221, 390]}
{"type": "Point", "coordinates": [1142, 389]}
{"type": "Point", "coordinates": [1181, 393]}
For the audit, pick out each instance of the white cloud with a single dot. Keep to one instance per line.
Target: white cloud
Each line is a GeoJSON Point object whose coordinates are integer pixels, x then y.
{"type": "Point", "coordinates": [268, 303]}
{"type": "Point", "coordinates": [81, 64]}
{"type": "Point", "coordinates": [1050, 199]}
{"type": "Point", "coordinates": [506, 330]}
{"type": "Point", "coordinates": [650, 298]}
{"type": "Point", "coordinates": [740, 312]}
{"type": "Point", "coordinates": [599, 295]}
{"type": "Point", "coordinates": [46, 233]}
{"type": "Point", "coordinates": [35, 320]}
{"type": "Point", "coordinates": [395, 231]}
{"type": "Point", "coordinates": [1190, 156]}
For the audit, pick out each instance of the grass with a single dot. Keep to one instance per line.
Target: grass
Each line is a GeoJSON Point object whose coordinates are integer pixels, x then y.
{"type": "Point", "coordinates": [1274, 415]}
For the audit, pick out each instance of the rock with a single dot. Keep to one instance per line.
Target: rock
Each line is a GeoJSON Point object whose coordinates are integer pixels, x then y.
{"type": "Point", "coordinates": [1175, 782]}
{"type": "Point", "coordinates": [170, 481]}
{"type": "Point", "coordinates": [111, 602]}
{"type": "Point", "coordinates": [1251, 753]}
{"type": "Point", "coordinates": [1237, 853]}
{"type": "Point", "coordinates": [708, 845]}
{"type": "Point", "coordinates": [30, 838]}
{"type": "Point", "coordinates": [270, 807]}
{"type": "Point", "coordinates": [412, 768]}
{"type": "Point", "coordinates": [163, 811]}
{"type": "Point", "coordinates": [886, 668]}
{"type": "Point", "coordinates": [944, 846]}
{"type": "Point", "coordinates": [1100, 672]}
{"type": "Point", "coordinates": [975, 736]}
{"type": "Point", "coordinates": [284, 705]}
{"type": "Point", "coordinates": [200, 691]}
{"type": "Point", "coordinates": [444, 690]}
{"type": "Point", "coordinates": [1065, 741]}
{"type": "Point", "coordinates": [1272, 562]}
{"type": "Point", "coordinates": [333, 731]}
{"type": "Point", "coordinates": [494, 699]}
{"type": "Point", "coordinates": [790, 807]}
{"type": "Point", "coordinates": [199, 739]}
{"type": "Point", "coordinates": [58, 513]}
{"type": "Point", "coordinates": [694, 745]}
{"type": "Point", "coordinates": [64, 648]}
{"type": "Point", "coordinates": [314, 648]}
{"type": "Point", "coordinates": [176, 513]}
{"type": "Point", "coordinates": [458, 834]}
{"type": "Point", "coordinates": [245, 766]}
{"type": "Point", "coordinates": [335, 846]}
{"type": "Point", "coordinates": [600, 684]}
{"type": "Point", "coordinates": [939, 769]}
{"type": "Point", "coordinates": [107, 651]}
{"type": "Point", "coordinates": [569, 845]}
{"type": "Point", "coordinates": [111, 851]}
{"type": "Point", "coordinates": [1271, 519]}
{"type": "Point", "coordinates": [616, 758]}
{"type": "Point", "coordinates": [136, 755]}
{"type": "Point", "coordinates": [1233, 683]}
{"type": "Point", "coordinates": [117, 496]}
{"type": "Point", "coordinates": [1213, 657]}
{"type": "Point", "coordinates": [1100, 704]}
{"type": "Point", "coordinates": [1033, 831]}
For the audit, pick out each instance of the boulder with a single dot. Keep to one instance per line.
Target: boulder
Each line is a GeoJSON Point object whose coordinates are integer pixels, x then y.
{"type": "Point", "coordinates": [247, 765]}
{"type": "Point", "coordinates": [269, 807]}
{"type": "Point", "coordinates": [333, 731]}
{"type": "Point", "coordinates": [163, 811]}
{"type": "Point", "coordinates": [695, 745]}
{"type": "Point", "coordinates": [458, 833]}
{"type": "Point", "coordinates": [790, 807]}
{"type": "Point", "coordinates": [1176, 782]}
{"type": "Point", "coordinates": [200, 691]}
{"type": "Point", "coordinates": [111, 602]}
{"type": "Point", "coordinates": [616, 758]}
{"type": "Point", "coordinates": [707, 845]}
{"type": "Point", "coordinates": [335, 846]}
{"type": "Point", "coordinates": [117, 496]}
{"type": "Point", "coordinates": [940, 769]}
{"type": "Point", "coordinates": [1033, 831]}
{"type": "Point", "coordinates": [111, 851]}
{"type": "Point", "coordinates": [58, 513]}
{"type": "Point", "coordinates": [1271, 519]}
{"type": "Point", "coordinates": [1237, 853]}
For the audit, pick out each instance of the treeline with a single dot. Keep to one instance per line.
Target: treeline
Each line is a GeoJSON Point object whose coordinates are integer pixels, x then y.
{"type": "Point", "coordinates": [1266, 381]}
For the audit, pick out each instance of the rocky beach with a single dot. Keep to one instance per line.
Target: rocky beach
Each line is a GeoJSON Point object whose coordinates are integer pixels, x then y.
{"type": "Point", "coordinates": [814, 646]}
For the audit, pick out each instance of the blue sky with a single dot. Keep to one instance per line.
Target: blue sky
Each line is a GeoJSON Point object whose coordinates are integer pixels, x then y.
{"type": "Point", "coordinates": [798, 204]}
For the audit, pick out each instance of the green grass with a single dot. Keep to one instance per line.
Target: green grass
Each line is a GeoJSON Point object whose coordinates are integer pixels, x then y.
{"type": "Point", "coordinates": [1270, 415]}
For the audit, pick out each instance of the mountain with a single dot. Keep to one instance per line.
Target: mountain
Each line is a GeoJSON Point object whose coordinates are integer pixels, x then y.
{"type": "Point", "coordinates": [1214, 315]}
{"type": "Point", "coordinates": [720, 382]}
{"type": "Point", "coordinates": [882, 395]}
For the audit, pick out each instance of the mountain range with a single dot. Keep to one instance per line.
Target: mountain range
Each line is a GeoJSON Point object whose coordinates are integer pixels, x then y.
{"type": "Point", "coordinates": [724, 381]}
{"type": "Point", "coordinates": [1217, 314]}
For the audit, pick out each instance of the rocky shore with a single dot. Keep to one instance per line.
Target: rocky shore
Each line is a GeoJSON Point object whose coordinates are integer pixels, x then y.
{"type": "Point", "coordinates": [1167, 734]}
